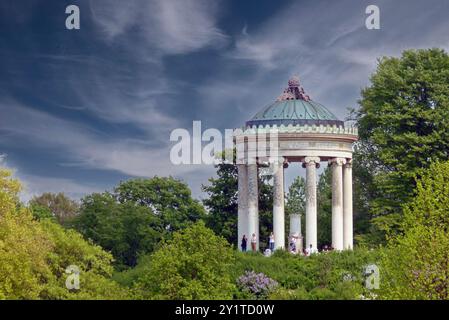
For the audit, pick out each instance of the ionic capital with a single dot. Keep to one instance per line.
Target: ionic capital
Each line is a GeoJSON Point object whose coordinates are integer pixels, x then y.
{"type": "Point", "coordinates": [337, 161]}
{"type": "Point", "coordinates": [310, 161]}
{"type": "Point", "coordinates": [348, 163]}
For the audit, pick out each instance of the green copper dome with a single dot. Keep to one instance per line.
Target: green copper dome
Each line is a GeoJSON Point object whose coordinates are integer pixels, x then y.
{"type": "Point", "coordinates": [296, 108]}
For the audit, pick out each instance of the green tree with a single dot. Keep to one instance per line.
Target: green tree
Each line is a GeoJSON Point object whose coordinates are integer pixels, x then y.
{"type": "Point", "coordinates": [131, 221]}
{"type": "Point", "coordinates": [168, 198]}
{"type": "Point", "coordinates": [416, 263]}
{"type": "Point", "coordinates": [23, 246]}
{"type": "Point", "coordinates": [223, 206]}
{"type": "Point", "coordinates": [40, 212]}
{"type": "Point", "coordinates": [59, 205]}
{"type": "Point", "coordinates": [34, 255]}
{"type": "Point", "coordinates": [193, 265]}
{"type": "Point", "coordinates": [222, 202]}
{"type": "Point", "coordinates": [403, 125]}
{"type": "Point", "coordinates": [127, 230]}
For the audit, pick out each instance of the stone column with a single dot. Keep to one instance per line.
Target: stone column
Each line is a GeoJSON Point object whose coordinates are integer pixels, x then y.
{"type": "Point", "coordinates": [311, 217]}
{"type": "Point", "coordinates": [242, 223]}
{"type": "Point", "coordinates": [278, 204]}
{"type": "Point", "coordinates": [347, 206]}
{"type": "Point", "coordinates": [337, 202]}
{"type": "Point", "coordinates": [253, 204]}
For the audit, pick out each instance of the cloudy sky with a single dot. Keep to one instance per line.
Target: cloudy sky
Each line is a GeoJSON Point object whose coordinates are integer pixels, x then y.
{"type": "Point", "coordinates": [81, 110]}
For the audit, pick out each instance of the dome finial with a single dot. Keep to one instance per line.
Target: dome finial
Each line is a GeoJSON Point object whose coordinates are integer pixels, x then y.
{"type": "Point", "coordinates": [294, 91]}
{"type": "Point", "coordinates": [293, 81]}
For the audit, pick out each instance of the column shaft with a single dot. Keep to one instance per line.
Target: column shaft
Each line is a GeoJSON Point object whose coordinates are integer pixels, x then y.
{"type": "Point", "coordinates": [253, 204]}
{"type": "Point", "coordinates": [311, 207]}
{"type": "Point", "coordinates": [347, 207]}
{"type": "Point", "coordinates": [337, 203]}
{"type": "Point", "coordinates": [242, 224]}
{"type": "Point", "coordinates": [278, 205]}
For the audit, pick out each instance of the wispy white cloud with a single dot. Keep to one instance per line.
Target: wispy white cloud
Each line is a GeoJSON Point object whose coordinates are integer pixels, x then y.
{"type": "Point", "coordinates": [170, 26]}
{"type": "Point", "coordinates": [327, 45]}
{"type": "Point", "coordinates": [128, 82]}
{"type": "Point", "coordinates": [86, 148]}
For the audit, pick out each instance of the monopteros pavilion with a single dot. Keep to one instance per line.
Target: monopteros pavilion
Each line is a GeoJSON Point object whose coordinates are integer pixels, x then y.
{"type": "Point", "coordinates": [295, 130]}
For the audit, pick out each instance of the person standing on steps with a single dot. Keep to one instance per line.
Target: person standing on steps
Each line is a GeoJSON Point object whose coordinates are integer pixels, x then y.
{"type": "Point", "coordinates": [254, 242]}
{"type": "Point", "coordinates": [271, 242]}
{"type": "Point", "coordinates": [244, 242]}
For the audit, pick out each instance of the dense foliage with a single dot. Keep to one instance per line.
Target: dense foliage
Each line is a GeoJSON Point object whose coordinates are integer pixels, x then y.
{"type": "Point", "coordinates": [35, 254]}
{"type": "Point", "coordinates": [330, 275]}
{"type": "Point", "coordinates": [403, 125]}
{"type": "Point", "coordinates": [416, 264]}
{"type": "Point", "coordinates": [192, 265]}
{"type": "Point", "coordinates": [131, 221]}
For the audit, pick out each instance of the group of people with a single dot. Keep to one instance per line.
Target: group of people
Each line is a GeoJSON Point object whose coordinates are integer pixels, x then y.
{"type": "Point", "coordinates": [254, 242]}
{"type": "Point", "coordinates": [293, 249]}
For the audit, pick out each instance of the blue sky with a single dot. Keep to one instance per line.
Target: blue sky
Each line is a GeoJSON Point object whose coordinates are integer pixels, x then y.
{"type": "Point", "coordinates": [81, 110]}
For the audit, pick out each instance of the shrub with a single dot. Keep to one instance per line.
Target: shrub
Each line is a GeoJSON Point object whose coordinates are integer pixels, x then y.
{"type": "Point", "coordinates": [342, 273]}
{"type": "Point", "coordinates": [193, 265]}
{"type": "Point", "coordinates": [257, 284]}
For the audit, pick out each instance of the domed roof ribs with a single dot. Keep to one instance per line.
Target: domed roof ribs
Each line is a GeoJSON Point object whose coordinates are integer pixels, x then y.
{"type": "Point", "coordinates": [285, 110]}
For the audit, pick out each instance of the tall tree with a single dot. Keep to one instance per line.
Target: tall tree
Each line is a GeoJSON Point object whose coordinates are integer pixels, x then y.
{"type": "Point", "coordinates": [61, 207]}
{"type": "Point", "coordinates": [222, 204]}
{"type": "Point", "coordinates": [403, 125]}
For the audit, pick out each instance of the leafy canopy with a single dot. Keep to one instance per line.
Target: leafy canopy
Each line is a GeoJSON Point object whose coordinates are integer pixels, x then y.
{"type": "Point", "coordinates": [403, 126]}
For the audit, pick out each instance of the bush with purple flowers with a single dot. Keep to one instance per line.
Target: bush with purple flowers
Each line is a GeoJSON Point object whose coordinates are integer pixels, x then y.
{"type": "Point", "coordinates": [257, 284]}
